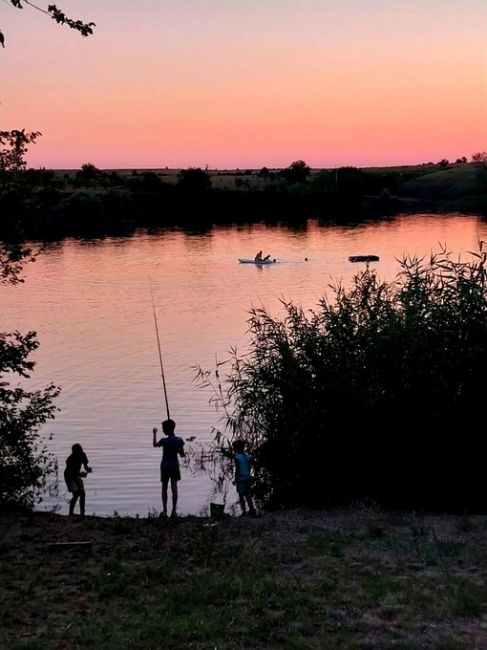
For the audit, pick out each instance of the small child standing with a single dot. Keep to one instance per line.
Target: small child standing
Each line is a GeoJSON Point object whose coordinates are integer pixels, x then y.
{"type": "Point", "coordinates": [242, 476]}
{"type": "Point", "coordinates": [74, 477]}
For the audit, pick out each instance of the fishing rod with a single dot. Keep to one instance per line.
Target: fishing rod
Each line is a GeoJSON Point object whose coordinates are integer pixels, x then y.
{"type": "Point", "coordinates": [159, 349]}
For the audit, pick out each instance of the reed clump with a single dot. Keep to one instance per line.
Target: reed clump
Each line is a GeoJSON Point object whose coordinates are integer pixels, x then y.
{"type": "Point", "coordinates": [375, 395]}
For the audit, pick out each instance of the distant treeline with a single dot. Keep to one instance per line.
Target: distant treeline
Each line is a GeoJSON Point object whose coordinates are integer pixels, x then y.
{"type": "Point", "coordinates": [47, 204]}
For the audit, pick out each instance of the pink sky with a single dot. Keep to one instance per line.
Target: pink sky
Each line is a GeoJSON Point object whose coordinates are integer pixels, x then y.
{"type": "Point", "coordinates": [247, 83]}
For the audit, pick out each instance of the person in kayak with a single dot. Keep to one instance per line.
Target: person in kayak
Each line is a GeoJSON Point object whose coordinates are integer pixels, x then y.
{"type": "Point", "coordinates": [258, 257]}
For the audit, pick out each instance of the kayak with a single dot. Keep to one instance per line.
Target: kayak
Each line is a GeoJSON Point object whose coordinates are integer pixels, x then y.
{"type": "Point", "coordinates": [258, 262]}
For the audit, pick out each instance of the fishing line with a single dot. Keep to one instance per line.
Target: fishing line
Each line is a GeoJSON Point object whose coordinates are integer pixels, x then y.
{"type": "Point", "coordinates": [159, 349]}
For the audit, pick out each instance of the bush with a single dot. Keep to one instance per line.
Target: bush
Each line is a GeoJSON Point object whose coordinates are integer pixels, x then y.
{"type": "Point", "coordinates": [296, 173]}
{"type": "Point", "coordinates": [25, 463]}
{"type": "Point", "coordinates": [194, 180]}
{"type": "Point", "coordinates": [374, 395]}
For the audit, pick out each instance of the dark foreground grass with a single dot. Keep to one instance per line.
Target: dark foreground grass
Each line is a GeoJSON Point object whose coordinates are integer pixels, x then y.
{"type": "Point", "coordinates": [299, 580]}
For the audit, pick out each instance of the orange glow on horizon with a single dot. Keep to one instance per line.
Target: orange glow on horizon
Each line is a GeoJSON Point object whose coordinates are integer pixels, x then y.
{"type": "Point", "coordinates": [332, 83]}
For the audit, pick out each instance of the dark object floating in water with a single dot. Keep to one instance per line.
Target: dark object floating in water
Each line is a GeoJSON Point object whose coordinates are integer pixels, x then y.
{"type": "Point", "coordinates": [363, 258]}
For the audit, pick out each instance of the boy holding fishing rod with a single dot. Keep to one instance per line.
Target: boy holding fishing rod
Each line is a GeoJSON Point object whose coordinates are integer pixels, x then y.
{"type": "Point", "coordinates": [172, 447]}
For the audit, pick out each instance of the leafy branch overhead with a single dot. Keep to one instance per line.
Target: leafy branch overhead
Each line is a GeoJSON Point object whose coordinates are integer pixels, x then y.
{"type": "Point", "coordinates": [13, 148]}
{"type": "Point", "coordinates": [85, 29]}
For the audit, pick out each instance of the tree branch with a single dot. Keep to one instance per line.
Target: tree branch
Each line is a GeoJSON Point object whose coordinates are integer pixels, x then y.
{"type": "Point", "coordinates": [85, 29]}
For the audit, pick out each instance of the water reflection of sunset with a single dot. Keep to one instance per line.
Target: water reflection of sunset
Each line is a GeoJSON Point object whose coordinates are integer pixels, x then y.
{"type": "Point", "coordinates": [90, 304]}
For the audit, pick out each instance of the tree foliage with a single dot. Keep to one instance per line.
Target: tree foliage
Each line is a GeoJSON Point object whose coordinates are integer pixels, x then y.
{"type": "Point", "coordinates": [13, 148]}
{"type": "Point", "coordinates": [375, 395]}
{"type": "Point", "coordinates": [88, 174]}
{"type": "Point", "coordinates": [194, 180]}
{"type": "Point", "coordinates": [25, 463]}
{"type": "Point", "coordinates": [480, 158]}
{"type": "Point", "coordinates": [297, 172]}
{"type": "Point", "coordinates": [12, 259]}
{"type": "Point", "coordinates": [349, 181]}
{"type": "Point", "coordinates": [85, 29]}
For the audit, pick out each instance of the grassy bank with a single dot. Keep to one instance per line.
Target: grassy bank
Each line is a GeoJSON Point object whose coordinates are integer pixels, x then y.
{"type": "Point", "coordinates": [314, 580]}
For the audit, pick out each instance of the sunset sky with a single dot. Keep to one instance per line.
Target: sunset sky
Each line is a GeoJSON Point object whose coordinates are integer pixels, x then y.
{"type": "Point", "coordinates": [247, 83]}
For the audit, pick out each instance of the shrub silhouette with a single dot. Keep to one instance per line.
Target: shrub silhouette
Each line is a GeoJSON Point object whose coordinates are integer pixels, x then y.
{"type": "Point", "coordinates": [297, 172]}
{"type": "Point", "coordinates": [194, 180]}
{"type": "Point", "coordinates": [374, 395]}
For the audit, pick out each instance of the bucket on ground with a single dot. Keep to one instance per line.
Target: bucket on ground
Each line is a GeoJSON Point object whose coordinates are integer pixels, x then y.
{"type": "Point", "coordinates": [216, 510]}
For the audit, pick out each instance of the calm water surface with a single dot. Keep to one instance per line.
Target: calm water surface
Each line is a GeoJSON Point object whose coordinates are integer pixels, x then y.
{"type": "Point", "coordinates": [90, 304]}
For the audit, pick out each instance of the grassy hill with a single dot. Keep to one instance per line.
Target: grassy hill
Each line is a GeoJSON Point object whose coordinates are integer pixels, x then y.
{"type": "Point", "coordinates": [451, 181]}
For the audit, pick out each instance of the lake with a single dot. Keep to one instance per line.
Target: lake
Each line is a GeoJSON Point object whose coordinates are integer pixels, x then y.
{"type": "Point", "coordinates": [90, 304]}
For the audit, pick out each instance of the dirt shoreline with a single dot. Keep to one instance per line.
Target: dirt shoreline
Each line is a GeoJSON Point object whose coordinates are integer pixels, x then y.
{"type": "Point", "coordinates": [355, 578]}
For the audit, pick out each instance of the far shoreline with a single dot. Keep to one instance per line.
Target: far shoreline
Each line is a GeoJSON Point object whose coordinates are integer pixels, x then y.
{"type": "Point", "coordinates": [50, 205]}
